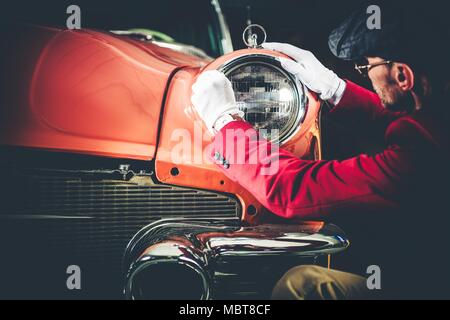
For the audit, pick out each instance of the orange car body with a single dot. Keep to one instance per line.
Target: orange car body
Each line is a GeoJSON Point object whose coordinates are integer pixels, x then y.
{"type": "Point", "coordinates": [101, 94]}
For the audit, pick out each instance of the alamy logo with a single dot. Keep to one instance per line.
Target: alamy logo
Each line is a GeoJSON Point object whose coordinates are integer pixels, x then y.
{"type": "Point", "coordinates": [74, 280]}
{"type": "Point", "coordinates": [74, 20]}
{"type": "Point", "coordinates": [373, 22]}
{"type": "Point", "coordinates": [374, 280]}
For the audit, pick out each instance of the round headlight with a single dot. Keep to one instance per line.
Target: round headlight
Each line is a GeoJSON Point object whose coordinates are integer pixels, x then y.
{"type": "Point", "coordinates": [270, 97]}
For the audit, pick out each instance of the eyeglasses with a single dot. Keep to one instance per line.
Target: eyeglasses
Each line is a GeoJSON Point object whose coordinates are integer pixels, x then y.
{"type": "Point", "coordinates": [364, 69]}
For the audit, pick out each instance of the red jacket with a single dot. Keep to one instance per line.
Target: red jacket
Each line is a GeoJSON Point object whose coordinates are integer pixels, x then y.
{"type": "Point", "coordinates": [314, 189]}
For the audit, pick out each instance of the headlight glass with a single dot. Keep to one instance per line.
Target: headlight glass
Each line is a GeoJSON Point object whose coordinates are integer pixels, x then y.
{"type": "Point", "coordinates": [269, 97]}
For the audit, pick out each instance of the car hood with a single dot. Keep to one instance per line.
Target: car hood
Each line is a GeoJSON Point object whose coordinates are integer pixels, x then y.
{"type": "Point", "coordinates": [84, 91]}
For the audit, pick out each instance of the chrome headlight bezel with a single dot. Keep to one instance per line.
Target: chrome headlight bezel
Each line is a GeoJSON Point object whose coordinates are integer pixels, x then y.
{"type": "Point", "coordinates": [301, 99]}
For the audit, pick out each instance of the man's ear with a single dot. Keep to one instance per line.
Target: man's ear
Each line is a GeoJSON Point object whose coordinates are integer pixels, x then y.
{"type": "Point", "coordinates": [404, 76]}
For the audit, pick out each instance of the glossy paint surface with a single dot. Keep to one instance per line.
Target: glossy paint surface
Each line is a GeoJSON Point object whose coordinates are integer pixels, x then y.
{"type": "Point", "coordinates": [87, 92]}
{"type": "Point", "coordinates": [99, 94]}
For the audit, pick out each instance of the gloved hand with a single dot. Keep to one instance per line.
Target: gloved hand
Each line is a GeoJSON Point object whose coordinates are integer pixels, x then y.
{"type": "Point", "coordinates": [310, 71]}
{"type": "Point", "coordinates": [213, 99]}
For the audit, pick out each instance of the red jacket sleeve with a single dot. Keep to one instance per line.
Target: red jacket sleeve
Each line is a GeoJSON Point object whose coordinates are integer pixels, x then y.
{"type": "Point", "coordinates": [361, 111]}
{"type": "Point", "coordinates": [291, 187]}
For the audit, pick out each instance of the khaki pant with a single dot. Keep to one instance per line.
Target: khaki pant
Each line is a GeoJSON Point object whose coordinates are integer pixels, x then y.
{"type": "Point", "coordinates": [314, 282]}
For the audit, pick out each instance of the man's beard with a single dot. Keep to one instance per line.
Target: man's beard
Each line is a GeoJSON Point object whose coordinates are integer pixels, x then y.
{"type": "Point", "coordinates": [396, 101]}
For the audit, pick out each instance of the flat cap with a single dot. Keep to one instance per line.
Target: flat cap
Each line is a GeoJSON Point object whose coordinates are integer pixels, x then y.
{"type": "Point", "coordinates": [404, 31]}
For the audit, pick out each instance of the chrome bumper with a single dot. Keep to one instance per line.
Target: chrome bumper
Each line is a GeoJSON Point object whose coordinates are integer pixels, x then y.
{"type": "Point", "coordinates": [217, 258]}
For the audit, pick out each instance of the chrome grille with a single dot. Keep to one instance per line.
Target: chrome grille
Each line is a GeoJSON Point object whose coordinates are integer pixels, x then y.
{"type": "Point", "coordinates": [90, 216]}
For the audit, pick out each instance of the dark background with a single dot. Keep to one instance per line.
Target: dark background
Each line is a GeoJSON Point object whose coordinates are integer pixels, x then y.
{"type": "Point", "coordinates": [307, 24]}
{"type": "Point", "coordinates": [304, 23]}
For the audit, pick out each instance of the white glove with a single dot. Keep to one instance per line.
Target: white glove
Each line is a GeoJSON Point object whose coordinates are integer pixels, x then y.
{"type": "Point", "coordinates": [213, 98]}
{"type": "Point", "coordinates": [310, 71]}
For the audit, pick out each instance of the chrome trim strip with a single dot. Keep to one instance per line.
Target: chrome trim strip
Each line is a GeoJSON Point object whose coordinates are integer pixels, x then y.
{"type": "Point", "coordinates": [41, 217]}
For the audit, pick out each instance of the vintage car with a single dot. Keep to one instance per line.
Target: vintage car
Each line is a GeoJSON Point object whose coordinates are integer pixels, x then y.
{"type": "Point", "coordinates": [89, 121]}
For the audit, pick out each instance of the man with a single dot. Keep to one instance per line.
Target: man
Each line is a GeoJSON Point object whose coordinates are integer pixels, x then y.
{"type": "Point", "coordinates": [403, 188]}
